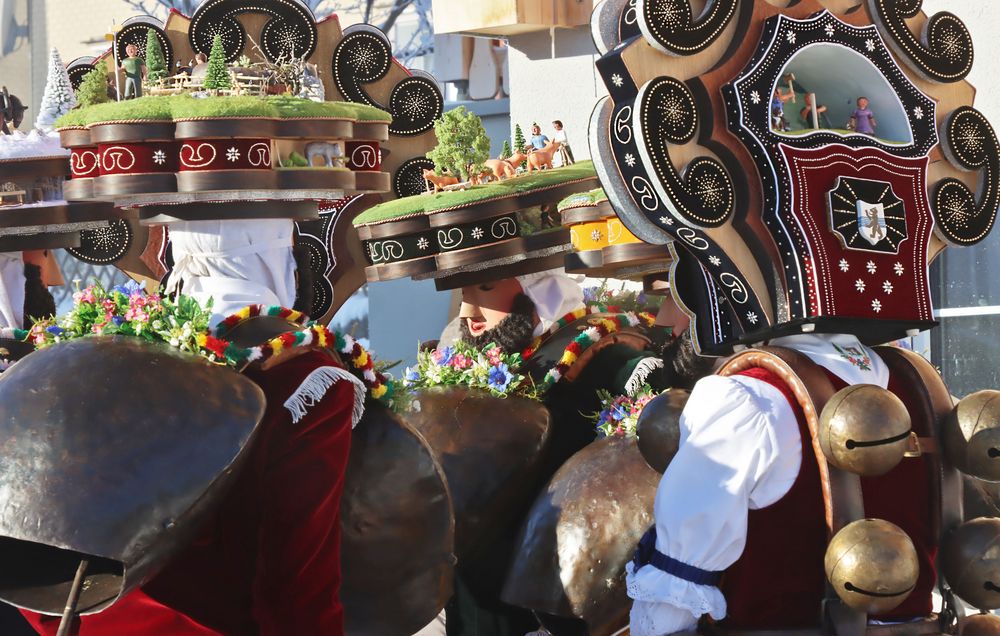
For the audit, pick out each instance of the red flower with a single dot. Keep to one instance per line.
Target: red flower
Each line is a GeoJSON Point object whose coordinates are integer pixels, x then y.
{"type": "Point", "coordinates": [216, 346]}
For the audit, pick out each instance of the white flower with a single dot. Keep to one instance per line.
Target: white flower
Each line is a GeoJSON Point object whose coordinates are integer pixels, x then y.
{"type": "Point", "coordinates": [918, 112]}
{"type": "Point", "coordinates": [752, 317]}
{"type": "Point", "coordinates": [844, 265]}
{"type": "Point", "coordinates": [715, 260]}
{"type": "Point", "coordinates": [790, 37]}
{"type": "Point", "coordinates": [829, 30]}
{"type": "Point", "coordinates": [898, 267]}
{"type": "Point", "coordinates": [617, 80]}
{"type": "Point", "coordinates": [422, 243]}
{"type": "Point", "coordinates": [233, 154]}
{"type": "Point", "coordinates": [870, 44]}
{"type": "Point", "coordinates": [159, 157]}
{"type": "Point", "coordinates": [666, 220]}
{"type": "Point", "coordinates": [755, 97]}
{"type": "Point", "coordinates": [870, 265]}
{"type": "Point", "coordinates": [477, 232]}
{"type": "Point", "coordinates": [595, 235]}
{"type": "Point", "coordinates": [887, 287]}
{"type": "Point", "coordinates": [859, 285]}
{"type": "Point", "coordinates": [876, 305]}
{"type": "Point", "coordinates": [629, 159]}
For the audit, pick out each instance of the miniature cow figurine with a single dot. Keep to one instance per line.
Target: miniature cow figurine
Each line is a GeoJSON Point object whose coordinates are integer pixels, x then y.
{"type": "Point", "coordinates": [332, 153]}
{"type": "Point", "coordinates": [438, 182]}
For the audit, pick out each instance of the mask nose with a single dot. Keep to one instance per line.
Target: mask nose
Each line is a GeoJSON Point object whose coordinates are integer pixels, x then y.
{"type": "Point", "coordinates": [468, 310]}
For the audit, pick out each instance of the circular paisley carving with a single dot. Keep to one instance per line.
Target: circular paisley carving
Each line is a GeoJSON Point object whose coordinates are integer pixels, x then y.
{"type": "Point", "coordinates": [319, 264]}
{"type": "Point", "coordinates": [415, 103]}
{"type": "Point", "coordinates": [947, 55]}
{"type": "Point", "coordinates": [291, 29]}
{"type": "Point", "coordinates": [104, 245]}
{"type": "Point", "coordinates": [78, 69]}
{"type": "Point", "coordinates": [669, 24]}
{"type": "Point", "coordinates": [136, 32]}
{"type": "Point", "coordinates": [409, 177]}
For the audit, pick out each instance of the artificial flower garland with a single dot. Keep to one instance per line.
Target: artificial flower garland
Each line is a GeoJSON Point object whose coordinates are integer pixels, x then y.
{"type": "Point", "coordinates": [361, 361]}
{"type": "Point", "coordinates": [619, 415]}
{"type": "Point", "coordinates": [576, 314]}
{"type": "Point", "coordinates": [588, 337]}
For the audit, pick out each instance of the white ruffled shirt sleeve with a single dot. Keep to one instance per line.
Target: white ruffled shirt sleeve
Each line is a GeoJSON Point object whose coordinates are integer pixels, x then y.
{"type": "Point", "coordinates": [740, 449]}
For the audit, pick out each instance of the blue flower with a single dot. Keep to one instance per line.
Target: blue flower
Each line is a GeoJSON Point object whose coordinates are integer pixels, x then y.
{"type": "Point", "coordinates": [118, 320]}
{"type": "Point", "coordinates": [130, 288]}
{"type": "Point", "coordinates": [444, 356]}
{"type": "Point", "coordinates": [499, 378]}
{"type": "Point", "coordinates": [590, 294]}
{"type": "Point", "coordinates": [411, 374]}
{"type": "Point", "coordinates": [618, 413]}
{"type": "Point", "coordinates": [55, 331]}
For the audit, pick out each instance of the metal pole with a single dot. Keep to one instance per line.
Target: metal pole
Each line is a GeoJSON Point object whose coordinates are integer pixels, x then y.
{"type": "Point", "coordinates": [69, 614]}
{"type": "Point", "coordinates": [815, 113]}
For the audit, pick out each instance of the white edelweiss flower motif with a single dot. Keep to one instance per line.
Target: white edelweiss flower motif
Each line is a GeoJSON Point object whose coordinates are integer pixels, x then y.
{"type": "Point", "coordinates": [477, 233]}
{"type": "Point", "coordinates": [752, 317]}
{"type": "Point", "coordinates": [159, 157]}
{"type": "Point", "coordinates": [666, 220]}
{"type": "Point", "coordinates": [790, 37]}
{"type": "Point", "coordinates": [829, 30]}
{"type": "Point", "coordinates": [870, 265]}
{"type": "Point", "coordinates": [233, 154]}
{"type": "Point", "coordinates": [899, 269]}
{"type": "Point", "coordinates": [918, 112]}
{"type": "Point", "coordinates": [859, 285]}
{"type": "Point", "coordinates": [629, 159]}
{"type": "Point", "coordinates": [595, 235]}
{"type": "Point", "coordinates": [617, 80]}
{"type": "Point", "coordinates": [870, 44]}
{"type": "Point", "coordinates": [755, 97]}
{"type": "Point", "coordinates": [876, 305]}
{"type": "Point", "coordinates": [887, 287]}
{"type": "Point", "coordinates": [423, 243]}
{"type": "Point", "coordinates": [844, 265]}
{"type": "Point", "coordinates": [715, 260]}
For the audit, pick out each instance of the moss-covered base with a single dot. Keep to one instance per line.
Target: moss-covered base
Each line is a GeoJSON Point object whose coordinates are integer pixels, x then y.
{"type": "Point", "coordinates": [522, 184]}
{"type": "Point", "coordinates": [179, 107]}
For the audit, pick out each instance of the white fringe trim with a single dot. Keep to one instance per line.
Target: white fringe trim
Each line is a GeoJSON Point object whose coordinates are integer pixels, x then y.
{"type": "Point", "coordinates": [640, 373]}
{"type": "Point", "coordinates": [315, 386]}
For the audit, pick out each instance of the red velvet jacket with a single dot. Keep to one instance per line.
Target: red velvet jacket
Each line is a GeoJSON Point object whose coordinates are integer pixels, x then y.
{"type": "Point", "coordinates": [268, 563]}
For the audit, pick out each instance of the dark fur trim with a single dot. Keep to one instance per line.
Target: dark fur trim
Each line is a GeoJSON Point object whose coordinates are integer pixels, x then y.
{"type": "Point", "coordinates": [681, 363]}
{"type": "Point", "coordinates": [38, 301]}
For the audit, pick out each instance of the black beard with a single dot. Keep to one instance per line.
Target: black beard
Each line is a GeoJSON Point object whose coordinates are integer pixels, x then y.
{"type": "Point", "coordinates": [513, 334]}
{"type": "Point", "coordinates": [38, 300]}
{"type": "Point", "coordinates": [682, 365]}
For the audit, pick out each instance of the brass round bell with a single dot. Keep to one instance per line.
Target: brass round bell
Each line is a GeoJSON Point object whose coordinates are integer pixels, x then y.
{"type": "Point", "coordinates": [872, 565]}
{"type": "Point", "coordinates": [979, 625]}
{"type": "Point", "coordinates": [659, 428]}
{"type": "Point", "coordinates": [972, 435]}
{"type": "Point", "coordinates": [970, 559]}
{"type": "Point", "coordinates": [864, 429]}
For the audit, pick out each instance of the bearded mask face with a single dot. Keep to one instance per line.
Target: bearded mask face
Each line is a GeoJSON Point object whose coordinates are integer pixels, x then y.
{"type": "Point", "coordinates": [512, 333]}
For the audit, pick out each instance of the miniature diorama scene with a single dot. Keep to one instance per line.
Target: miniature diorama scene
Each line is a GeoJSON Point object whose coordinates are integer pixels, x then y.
{"type": "Point", "coordinates": [832, 88]}
{"type": "Point", "coordinates": [298, 338]}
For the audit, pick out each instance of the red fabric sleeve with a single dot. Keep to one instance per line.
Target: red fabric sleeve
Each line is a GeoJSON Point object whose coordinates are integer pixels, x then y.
{"type": "Point", "coordinates": [297, 582]}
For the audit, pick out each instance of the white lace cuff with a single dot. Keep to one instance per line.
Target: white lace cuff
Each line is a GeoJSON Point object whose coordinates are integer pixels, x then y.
{"type": "Point", "coordinates": [651, 585]}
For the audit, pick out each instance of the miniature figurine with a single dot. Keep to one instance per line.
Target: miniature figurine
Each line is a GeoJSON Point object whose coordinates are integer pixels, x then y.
{"type": "Point", "coordinates": [540, 158]}
{"type": "Point", "coordinates": [439, 181]}
{"type": "Point", "coordinates": [806, 114]}
{"type": "Point", "coordinates": [11, 111]}
{"type": "Point", "coordinates": [332, 153]}
{"type": "Point", "coordinates": [778, 121]}
{"type": "Point", "coordinates": [538, 140]}
{"type": "Point", "coordinates": [565, 154]}
{"type": "Point", "coordinates": [862, 119]}
{"type": "Point", "coordinates": [199, 66]}
{"type": "Point", "coordinates": [135, 72]}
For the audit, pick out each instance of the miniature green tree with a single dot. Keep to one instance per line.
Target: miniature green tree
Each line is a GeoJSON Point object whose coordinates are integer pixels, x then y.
{"type": "Point", "coordinates": [519, 143]}
{"type": "Point", "coordinates": [505, 151]}
{"type": "Point", "coordinates": [217, 74]}
{"type": "Point", "coordinates": [156, 63]}
{"type": "Point", "coordinates": [463, 146]}
{"type": "Point", "coordinates": [94, 88]}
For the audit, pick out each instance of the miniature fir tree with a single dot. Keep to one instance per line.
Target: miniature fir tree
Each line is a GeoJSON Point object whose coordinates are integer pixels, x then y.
{"type": "Point", "coordinates": [156, 63]}
{"type": "Point", "coordinates": [217, 74]}
{"type": "Point", "coordinates": [94, 88]}
{"type": "Point", "coordinates": [505, 151]}
{"type": "Point", "coordinates": [519, 143]}
{"type": "Point", "coordinates": [463, 146]}
{"type": "Point", "coordinates": [58, 98]}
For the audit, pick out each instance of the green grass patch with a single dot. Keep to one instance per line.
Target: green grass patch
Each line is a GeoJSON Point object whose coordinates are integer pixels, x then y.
{"type": "Point", "coordinates": [174, 107]}
{"type": "Point", "coordinates": [581, 199]}
{"type": "Point", "coordinates": [427, 203]}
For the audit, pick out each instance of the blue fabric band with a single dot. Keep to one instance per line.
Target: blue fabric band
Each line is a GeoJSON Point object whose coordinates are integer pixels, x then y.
{"type": "Point", "coordinates": [647, 554]}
